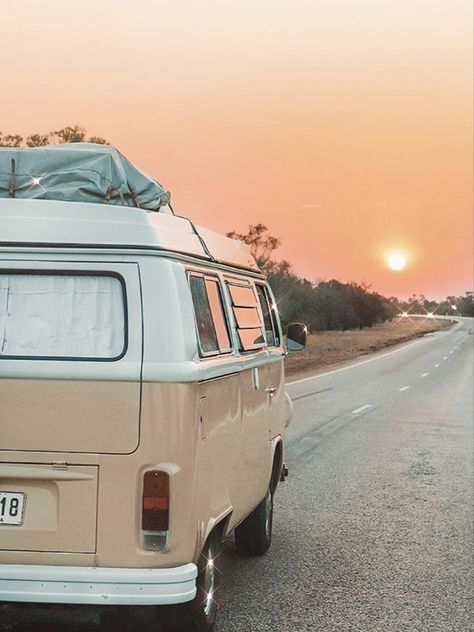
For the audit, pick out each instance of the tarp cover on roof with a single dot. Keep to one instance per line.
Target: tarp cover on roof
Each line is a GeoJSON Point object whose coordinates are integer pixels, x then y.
{"type": "Point", "coordinates": [78, 172]}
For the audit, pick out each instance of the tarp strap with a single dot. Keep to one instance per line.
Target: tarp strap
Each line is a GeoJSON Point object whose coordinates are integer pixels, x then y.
{"type": "Point", "coordinates": [111, 191]}
{"type": "Point", "coordinates": [203, 243]}
{"type": "Point", "coordinates": [12, 183]}
{"type": "Point", "coordinates": [134, 197]}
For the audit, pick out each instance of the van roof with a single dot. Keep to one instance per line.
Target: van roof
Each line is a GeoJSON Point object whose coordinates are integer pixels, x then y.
{"type": "Point", "coordinates": [58, 224]}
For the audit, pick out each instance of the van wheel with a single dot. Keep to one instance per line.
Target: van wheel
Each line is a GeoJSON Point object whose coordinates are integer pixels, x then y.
{"type": "Point", "coordinates": [254, 535]}
{"type": "Point", "coordinates": [200, 614]}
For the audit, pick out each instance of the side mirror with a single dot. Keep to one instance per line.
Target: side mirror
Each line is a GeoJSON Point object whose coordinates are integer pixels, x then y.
{"type": "Point", "coordinates": [296, 336]}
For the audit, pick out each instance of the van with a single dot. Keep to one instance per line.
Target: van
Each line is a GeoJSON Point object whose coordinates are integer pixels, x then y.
{"type": "Point", "coordinates": [142, 410]}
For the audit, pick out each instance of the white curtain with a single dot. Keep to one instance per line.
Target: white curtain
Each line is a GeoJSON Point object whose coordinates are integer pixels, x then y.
{"type": "Point", "coordinates": [61, 315]}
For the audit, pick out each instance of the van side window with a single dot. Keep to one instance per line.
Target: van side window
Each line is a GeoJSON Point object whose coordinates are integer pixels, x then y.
{"type": "Point", "coordinates": [271, 327]}
{"type": "Point", "coordinates": [218, 315]}
{"type": "Point", "coordinates": [210, 317]}
{"type": "Point", "coordinates": [247, 317]}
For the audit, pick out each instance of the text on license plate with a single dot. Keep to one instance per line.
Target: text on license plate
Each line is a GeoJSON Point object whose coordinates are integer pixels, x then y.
{"type": "Point", "coordinates": [11, 507]}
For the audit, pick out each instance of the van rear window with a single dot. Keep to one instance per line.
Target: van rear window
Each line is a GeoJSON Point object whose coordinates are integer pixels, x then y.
{"type": "Point", "coordinates": [61, 316]}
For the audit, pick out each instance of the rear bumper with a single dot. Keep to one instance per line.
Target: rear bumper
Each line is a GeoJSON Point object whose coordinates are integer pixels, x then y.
{"type": "Point", "coordinates": [99, 586]}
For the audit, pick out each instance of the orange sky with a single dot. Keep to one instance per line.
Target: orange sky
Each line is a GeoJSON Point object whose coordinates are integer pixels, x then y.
{"type": "Point", "coordinates": [344, 125]}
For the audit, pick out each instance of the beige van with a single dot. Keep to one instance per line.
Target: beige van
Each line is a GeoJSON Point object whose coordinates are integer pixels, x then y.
{"type": "Point", "coordinates": [142, 409]}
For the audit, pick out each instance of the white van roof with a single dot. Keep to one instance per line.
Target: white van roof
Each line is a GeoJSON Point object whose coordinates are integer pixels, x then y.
{"type": "Point", "coordinates": [58, 224]}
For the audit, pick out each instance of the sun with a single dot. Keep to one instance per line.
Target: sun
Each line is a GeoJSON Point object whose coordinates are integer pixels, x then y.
{"type": "Point", "coordinates": [397, 261]}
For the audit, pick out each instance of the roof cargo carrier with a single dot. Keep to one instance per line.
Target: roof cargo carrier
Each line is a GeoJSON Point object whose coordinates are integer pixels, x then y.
{"type": "Point", "coordinates": [78, 172]}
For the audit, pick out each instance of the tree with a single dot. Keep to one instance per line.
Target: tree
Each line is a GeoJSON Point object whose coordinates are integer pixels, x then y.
{"type": "Point", "coordinates": [262, 244]}
{"type": "Point", "coordinates": [74, 134]}
{"type": "Point", "coordinates": [295, 297]}
{"type": "Point", "coordinates": [37, 140]}
{"type": "Point", "coordinates": [11, 140]}
{"type": "Point", "coordinates": [465, 304]}
{"type": "Point", "coordinates": [336, 306]}
{"type": "Point", "coordinates": [98, 140]}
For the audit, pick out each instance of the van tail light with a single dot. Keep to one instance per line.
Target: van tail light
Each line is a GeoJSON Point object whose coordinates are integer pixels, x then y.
{"type": "Point", "coordinates": [155, 508]}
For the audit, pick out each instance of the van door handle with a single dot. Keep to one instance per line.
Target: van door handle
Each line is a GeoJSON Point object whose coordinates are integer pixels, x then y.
{"type": "Point", "coordinates": [271, 390]}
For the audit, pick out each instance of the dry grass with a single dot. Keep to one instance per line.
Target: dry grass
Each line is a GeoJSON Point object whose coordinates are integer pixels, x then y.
{"type": "Point", "coordinates": [327, 348]}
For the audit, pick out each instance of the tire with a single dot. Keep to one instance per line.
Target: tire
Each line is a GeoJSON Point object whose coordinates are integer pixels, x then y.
{"type": "Point", "coordinates": [198, 615]}
{"type": "Point", "coordinates": [254, 535]}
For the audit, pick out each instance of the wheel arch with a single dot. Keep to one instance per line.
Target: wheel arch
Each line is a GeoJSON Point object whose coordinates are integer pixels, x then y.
{"type": "Point", "coordinates": [277, 462]}
{"type": "Point", "coordinates": [219, 523]}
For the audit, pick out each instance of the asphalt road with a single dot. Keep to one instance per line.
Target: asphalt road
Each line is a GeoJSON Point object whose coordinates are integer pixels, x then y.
{"type": "Point", "coordinates": [373, 528]}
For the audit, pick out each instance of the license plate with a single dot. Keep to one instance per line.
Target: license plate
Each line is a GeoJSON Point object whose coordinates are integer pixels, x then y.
{"type": "Point", "coordinates": [12, 505]}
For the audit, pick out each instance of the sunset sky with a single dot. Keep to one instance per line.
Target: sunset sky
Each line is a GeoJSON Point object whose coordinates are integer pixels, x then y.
{"type": "Point", "coordinates": [344, 125]}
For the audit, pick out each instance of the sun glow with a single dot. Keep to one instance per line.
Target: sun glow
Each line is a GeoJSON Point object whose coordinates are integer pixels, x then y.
{"type": "Point", "coordinates": [397, 261]}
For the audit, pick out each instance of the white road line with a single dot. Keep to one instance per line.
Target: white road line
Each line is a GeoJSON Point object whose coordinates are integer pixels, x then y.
{"type": "Point", "coordinates": [356, 364]}
{"type": "Point", "coordinates": [445, 358]}
{"type": "Point", "coordinates": [359, 410]}
{"type": "Point", "coordinates": [404, 388]}
{"type": "Point", "coordinates": [436, 366]}
{"type": "Point", "coordinates": [451, 352]}
{"type": "Point", "coordinates": [424, 374]}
